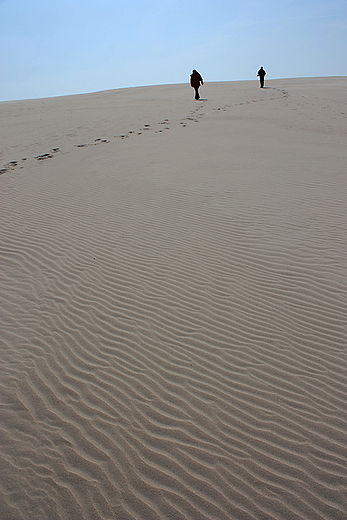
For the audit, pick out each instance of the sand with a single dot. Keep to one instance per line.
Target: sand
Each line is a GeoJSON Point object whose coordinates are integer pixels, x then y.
{"type": "Point", "coordinates": [174, 303]}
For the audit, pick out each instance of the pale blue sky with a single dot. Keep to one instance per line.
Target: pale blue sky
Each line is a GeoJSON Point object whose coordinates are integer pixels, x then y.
{"type": "Point", "coordinates": [53, 48]}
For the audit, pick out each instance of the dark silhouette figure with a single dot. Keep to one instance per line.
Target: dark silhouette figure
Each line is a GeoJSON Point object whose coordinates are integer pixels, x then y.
{"type": "Point", "coordinates": [261, 74]}
{"type": "Point", "coordinates": [195, 80]}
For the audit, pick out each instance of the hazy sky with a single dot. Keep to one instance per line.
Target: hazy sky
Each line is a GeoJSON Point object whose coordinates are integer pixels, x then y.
{"type": "Point", "coordinates": [58, 47]}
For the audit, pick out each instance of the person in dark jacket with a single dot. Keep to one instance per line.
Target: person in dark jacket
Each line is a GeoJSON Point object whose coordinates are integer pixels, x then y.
{"type": "Point", "coordinates": [195, 81]}
{"type": "Point", "coordinates": [261, 74]}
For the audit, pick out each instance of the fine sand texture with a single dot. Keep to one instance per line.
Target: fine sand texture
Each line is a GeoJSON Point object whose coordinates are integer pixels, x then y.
{"type": "Point", "coordinates": [174, 303]}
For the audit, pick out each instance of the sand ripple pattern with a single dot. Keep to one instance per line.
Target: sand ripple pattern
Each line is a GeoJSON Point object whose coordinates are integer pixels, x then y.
{"type": "Point", "coordinates": [172, 352]}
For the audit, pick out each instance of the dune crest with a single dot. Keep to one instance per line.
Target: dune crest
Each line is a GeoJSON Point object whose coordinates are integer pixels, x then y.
{"type": "Point", "coordinates": [174, 303]}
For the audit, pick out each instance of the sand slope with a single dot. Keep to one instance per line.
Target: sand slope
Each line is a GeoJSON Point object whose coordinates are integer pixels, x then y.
{"type": "Point", "coordinates": [174, 303]}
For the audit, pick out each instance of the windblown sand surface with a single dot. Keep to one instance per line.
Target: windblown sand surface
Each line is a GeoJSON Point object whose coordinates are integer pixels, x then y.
{"type": "Point", "coordinates": [174, 293]}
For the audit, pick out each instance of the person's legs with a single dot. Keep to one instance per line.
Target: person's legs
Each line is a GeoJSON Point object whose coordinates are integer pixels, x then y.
{"type": "Point", "coordinates": [261, 81]}
{"type": "Point", "coordinates": [197, 95]}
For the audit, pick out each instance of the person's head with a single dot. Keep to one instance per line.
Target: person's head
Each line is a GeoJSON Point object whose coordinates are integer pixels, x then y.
{"type": "Point", "coordinates": [194, 71]}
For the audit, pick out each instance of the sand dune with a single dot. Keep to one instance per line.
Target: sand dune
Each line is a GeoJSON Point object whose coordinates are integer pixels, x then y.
{"type": "Point", "coordinates": [174, 303]}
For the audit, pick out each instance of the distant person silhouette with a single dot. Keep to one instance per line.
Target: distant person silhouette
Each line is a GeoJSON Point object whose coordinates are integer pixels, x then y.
{"type": "Point", "coordinates": [195, 80]}
{"type": "Point", "coordinates": [261, 74]}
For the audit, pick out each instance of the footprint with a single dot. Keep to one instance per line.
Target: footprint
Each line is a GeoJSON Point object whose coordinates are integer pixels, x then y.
{"type": "Point", "coordinates": [8, 167]}
{"type": "Point", "coordinates": [11, 166]}
{"type": "Point", "coordinates": [47, 155]}
{"type": "Point", "coordinates": [44, 156]}
{"type": "Point", "coordinates": [96, 142]}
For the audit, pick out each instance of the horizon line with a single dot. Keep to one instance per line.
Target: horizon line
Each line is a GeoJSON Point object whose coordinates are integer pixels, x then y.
{"type": "Point", "coordinates": [149, 85]}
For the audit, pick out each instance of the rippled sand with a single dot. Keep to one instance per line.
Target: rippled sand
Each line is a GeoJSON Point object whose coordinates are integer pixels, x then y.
{"type": "Point", "coordinates": [174, 303]}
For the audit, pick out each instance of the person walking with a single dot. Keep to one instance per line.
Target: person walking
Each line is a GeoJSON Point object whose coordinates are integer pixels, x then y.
{"type": "Point", "coordinates": [195, 81]}
{"type": "Point", "coordinates": [261, 74]}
